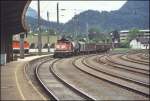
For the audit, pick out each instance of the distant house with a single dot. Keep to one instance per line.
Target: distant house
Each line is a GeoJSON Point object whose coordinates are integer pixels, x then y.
{"type": "Point", "coordinates": [124, 34]}
{"type": "Point", "coordinates": [140, 43]}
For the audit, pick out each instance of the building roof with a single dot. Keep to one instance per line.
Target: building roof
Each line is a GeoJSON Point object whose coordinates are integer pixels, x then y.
{"type": "Point", "coordinates": [13, 16]}
{"type": "Point", "coordinates": [127, 31]}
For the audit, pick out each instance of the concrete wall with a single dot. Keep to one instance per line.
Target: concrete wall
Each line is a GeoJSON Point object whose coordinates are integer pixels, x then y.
{"type": "Point", "coordinates": [34, 39]}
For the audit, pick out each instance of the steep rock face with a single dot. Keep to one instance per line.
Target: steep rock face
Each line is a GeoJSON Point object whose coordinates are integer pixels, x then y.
{"type": "Point", "coordinates": [135, 14]}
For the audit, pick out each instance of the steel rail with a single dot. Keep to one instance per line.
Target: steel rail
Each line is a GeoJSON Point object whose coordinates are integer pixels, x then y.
{"type": "Point", "coordinates": [84, 61]}
{"type": "Point", "coordinates": [110, 81]}
{"type": "Point", "coordinates": [120, 66]}
{"type": "Point", "coordinates": [70, 85]}
{"type": "Point", "coordinates": [73, 88]}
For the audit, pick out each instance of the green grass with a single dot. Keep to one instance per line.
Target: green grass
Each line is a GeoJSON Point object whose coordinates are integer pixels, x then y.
{"type": "Point", "coordinates": [121, 49]}
{"type": "Point", "coordinates": [124, 50]}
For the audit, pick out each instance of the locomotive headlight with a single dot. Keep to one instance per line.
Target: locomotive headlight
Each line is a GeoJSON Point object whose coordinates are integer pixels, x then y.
{"type": "Point", "coordinates": [63, 46]}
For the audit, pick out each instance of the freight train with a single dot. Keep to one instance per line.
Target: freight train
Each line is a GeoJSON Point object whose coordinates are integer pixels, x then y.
{"type": "Point", "coordinates": [64, 47]}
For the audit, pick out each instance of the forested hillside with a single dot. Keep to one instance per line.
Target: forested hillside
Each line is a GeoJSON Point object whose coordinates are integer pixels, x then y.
{"type": "Point", "coordinates": [134, 14]}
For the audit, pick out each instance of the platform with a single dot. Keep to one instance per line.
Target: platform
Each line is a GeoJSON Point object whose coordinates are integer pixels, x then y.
{"type": "Point", "coordinates": [14, 85]}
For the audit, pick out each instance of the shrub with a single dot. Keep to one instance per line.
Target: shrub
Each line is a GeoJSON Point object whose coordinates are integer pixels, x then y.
{"type": "Point", "coordinates": [124, 45]}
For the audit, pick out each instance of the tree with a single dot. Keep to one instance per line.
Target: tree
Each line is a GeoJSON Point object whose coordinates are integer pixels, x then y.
{"type": "Point", "coordinates": [133, 33]}
{"type": "Point", "coordinates": [124, 44]}
{"type": "Point", "coordinates": [96, 36]}
{"type": "Point", "coordinates": [93, 33]}
{"type": "Point", "coordinates": [115, 36]}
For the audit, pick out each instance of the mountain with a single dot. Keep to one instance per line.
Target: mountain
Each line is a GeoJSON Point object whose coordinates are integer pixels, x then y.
{"type": "Point", "coordinates": [133, 14]}
{"type": "Point", "coordinates": [32, 13]}
{"type": "Point", "coordinates": [32, 21]}
{"type": "Point", "coordinates": [132, 6]}
{"type": "Point", "coordinates": [33, 24]}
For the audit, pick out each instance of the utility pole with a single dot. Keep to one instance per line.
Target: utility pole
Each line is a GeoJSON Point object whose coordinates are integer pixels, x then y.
{"type": "Point", "coordinates": [87, 28]}
{"type": "Point", "coordinates": [77, 28]}
{"type": "Point", "coordinates": [75, 24]}
{"type": "Point", "coordinates": [58, 17]}
{"type": "Point", "coordinates": [48, 32]}
{"type": "Point", "coordinates": [39, 31]}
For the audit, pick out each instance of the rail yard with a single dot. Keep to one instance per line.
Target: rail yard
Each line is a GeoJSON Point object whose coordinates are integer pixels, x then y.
{"type": "Point", "coordinates": [103, 76]}
{"type": "Point", "coordinates": [75, 50]}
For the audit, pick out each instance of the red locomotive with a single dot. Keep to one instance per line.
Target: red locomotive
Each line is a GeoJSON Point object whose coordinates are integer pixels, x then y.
{"type": "Point", "coordinates": [65, 47]}
{"type": "Point", "coordinates": [16, 46]}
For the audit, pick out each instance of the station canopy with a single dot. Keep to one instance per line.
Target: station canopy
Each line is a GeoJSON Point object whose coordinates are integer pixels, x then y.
{"type": "Point", "coordinates": [13, 16]}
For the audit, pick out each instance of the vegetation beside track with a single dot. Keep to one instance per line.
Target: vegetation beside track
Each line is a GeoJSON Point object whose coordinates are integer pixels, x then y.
{"type": "Point", "coordinates": [121, 49]}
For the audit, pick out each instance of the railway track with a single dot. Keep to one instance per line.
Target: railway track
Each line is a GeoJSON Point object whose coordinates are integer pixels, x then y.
{"type": "Point", "coordinates": [56, 86]}
{"type": "Point", "coordinates": [72, 79]}
{"type": "Point", "coordinates": [144, 56]}
{"type": "Point", "coordinates": [133, 59]}
{"type": "Point", "coordinates": [88, 82]}
{"type": "Point", "coordinates": [118, 58]}
{"type": "Point", "coordinates": [106, 61]}
{"type": "Point", "coordinates": [117, 81]}
{"type": "Point", "coordinates": [136, 58]}
{"type": "Point", "coordinates": [132, 66]}
{"type": "Point", "coordinates": [29, 71]}
{"type": "Point", "coordinates": [118, 73]}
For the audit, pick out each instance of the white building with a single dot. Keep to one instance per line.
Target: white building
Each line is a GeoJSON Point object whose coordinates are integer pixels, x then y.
{"type": "Point", "coordinates": [124, 34]}
{"type": "Point", "coordinates": [140, 43]}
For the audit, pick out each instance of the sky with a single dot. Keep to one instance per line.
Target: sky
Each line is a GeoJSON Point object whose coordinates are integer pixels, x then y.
{"type": "Point", "coordinates": [73, 7]}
